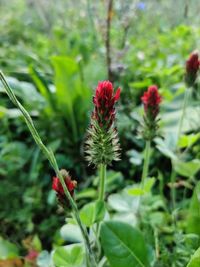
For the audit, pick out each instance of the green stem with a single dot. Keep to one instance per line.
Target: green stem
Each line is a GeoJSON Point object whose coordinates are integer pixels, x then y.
{"type": "Point", "coordinates": [173, 189]}
{"type": "Point", "coordinates": [102, 177]}
{"type": "Point", "coordinates": [50, 156]}
{"type": "Point", "coordinates": [145, 170]}
{"type": "Point", "coordinates": [146, 162]}
{"type": "Point", "coordinates": [185, 102]}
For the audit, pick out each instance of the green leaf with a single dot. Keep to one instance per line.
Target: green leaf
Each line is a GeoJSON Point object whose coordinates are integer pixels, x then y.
{"type": "Point", "coordinates": [193, 221]}
{"type": "Point", "coordinates": [72, 97]}
{"type": "Point", "coordinates": [195, 260]}
{"type": "Point", "coordinates": [86, 193]}
{"type": "Point", "coordinates": [188, 140]}
{"type": "Point", "coordinates": [36, 243]}
{"type": "Point", "coordinates": [71, 233]}
{"type": "Point", "coordinates": [137, 191]}
{"type": "Point", "coordinates": [69, 256]}
{"type": "Point", "coordinates": [44, 259]}
{"type": "Point", "coordinates": [165, 149]}
{"type": "Point", "coordinates": [3, 112]}
{"type": "Point", "coordinates": [123, 245]}
{"type": "Point", "coordinates": [7, 250]}
{"type": "Point", "coordinates": [92, 212]}
{"type": "Point", "coordinates": [187, 169]}
{"type": "Point", "coordinates": [122, 202]}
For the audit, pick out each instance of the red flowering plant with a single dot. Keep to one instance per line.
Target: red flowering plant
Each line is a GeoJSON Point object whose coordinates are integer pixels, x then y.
{"type": "Point", "coordinates": [102, 145]}
{"type": "Point", "coordinates": [192, 68]}
{"type": "Point", "coordinates": [151, 101]}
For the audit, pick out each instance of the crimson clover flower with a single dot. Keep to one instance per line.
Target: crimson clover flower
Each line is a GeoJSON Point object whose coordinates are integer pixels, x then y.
{"type": "Point", "coordinates": [104, 101]}
{"type": "Point", "coordinates": [192, 67]}
{"type": "Point", "coordinates": [57, 186]}
{"type": "Point", "coordinates": [151, 100]}
{"type": "Point", "coordinates": [102, 144]}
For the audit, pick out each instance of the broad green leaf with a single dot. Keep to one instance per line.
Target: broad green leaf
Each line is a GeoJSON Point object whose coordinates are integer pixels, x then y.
{"type": "Point", "coordinates": [92, 212]}
{"type": "Point", "coordinates": [188, 140]}
{"type": "Point", "coordinates": [71, 233]}
{"type": "Point", "coordinates": [137, 191]}
{"type": "Point", "coordinates": [44, 259]}
{"type": "Point", "coordinates": [86, 193]}
{"type": "Point", "coordinates": [8, 250]}
{"type": "Point", "coordinates": [3, 112]}
{"type": "Point", "coordinates": [187, 169]}
{"type": "Point", "coordinates": [165, 149]}
{"type": "Point", "coordinates": [122, 202]}
{"type": "Point", "coordinates": [43, 88]}
{"type": "Point", "coordinates": [69, 256]}
{"type": "Point", "coordinates": [140, 84]}
{"type": "Point", "coordinates": [195, 260]}
{"type": "Point", "coordinates": [72, 97]}
{"type": "Point", "coordinates": [113, 181]}
{"type": "Point", "coordinates": [123, 245]}
{"type": "Point", "coordinates": [193, 222]}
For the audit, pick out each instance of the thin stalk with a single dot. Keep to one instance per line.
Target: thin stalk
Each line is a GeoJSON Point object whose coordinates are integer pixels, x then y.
{"type": "Point", "coordinates": [185, 102]}
{"type": "Point", "coordinates": [102, 177]}
{"type": "Point", "coordinates": [146, 162]}
{"type": "Point", "coordinates": [156, 240]}
{"type": "Point", "coordinates": [50, 156]}
{"type": "Point", "coordinates": [107, 41]}
{"type": "Point", "coordinates": [145, 170]}
{"type": "Point", "coordinates": [173, 173]}
{"type": "Point", "coordinates": [173, 189]}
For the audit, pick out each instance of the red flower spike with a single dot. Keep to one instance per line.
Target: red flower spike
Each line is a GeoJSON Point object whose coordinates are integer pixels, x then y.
{"type": "Point", "coordinates": [102, 144]}
{"type": "Point", "coordinates": [104, 102]}
{"type": "Point", "coordinates": [192, 67]}
{"type": "Point", "coordinates": [57, 186]}
{"type": "Point", "coordinates": [151, 100]}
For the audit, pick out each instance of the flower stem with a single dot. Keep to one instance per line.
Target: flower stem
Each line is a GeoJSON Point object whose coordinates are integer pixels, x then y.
{"type": "Point", "coordinates": [173, 189]}
{"type": "Point", "coordinates": [102, 177]}
{"type": "Point", "coordinates": [185, 102]}
{"type": "Point", "coordinates": [50, 156]}
{"type": "Point", "coordinates": [145, 170]}
{"type": "Point", "coordinates": [146, 162]}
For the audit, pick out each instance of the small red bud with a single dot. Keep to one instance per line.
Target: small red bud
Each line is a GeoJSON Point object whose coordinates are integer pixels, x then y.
{"type": "Point", "coordinates": [192, 67]}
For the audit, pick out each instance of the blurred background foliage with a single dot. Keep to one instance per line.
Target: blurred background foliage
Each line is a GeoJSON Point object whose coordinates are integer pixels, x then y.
{"type": "Point", "coordinates": [53, 54]}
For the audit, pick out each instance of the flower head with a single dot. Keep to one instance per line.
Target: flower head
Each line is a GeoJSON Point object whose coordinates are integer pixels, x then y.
{"type": "Point", "coordinates": [102, 144]}
{"type": "Point", "coordinates": [192, 67]}
{"type": "Point", "coordinates": [104, 102]}
{"type": "Point", "coordinates": [151, 100]}
{"type": "Point", "coordinates": [57, 186]}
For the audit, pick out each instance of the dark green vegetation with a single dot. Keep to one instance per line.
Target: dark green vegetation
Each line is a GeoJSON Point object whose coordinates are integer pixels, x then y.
{"type": "Point", "coordinates": [53, 56]}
